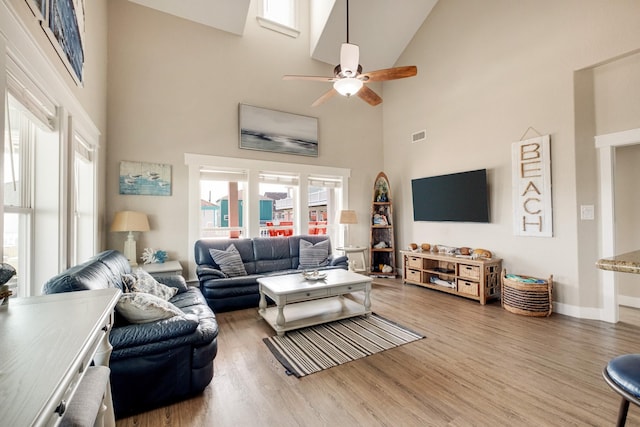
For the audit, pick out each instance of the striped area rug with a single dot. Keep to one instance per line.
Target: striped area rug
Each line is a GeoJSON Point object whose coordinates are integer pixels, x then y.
{"type": "Point", "coordinates": [308, 350]}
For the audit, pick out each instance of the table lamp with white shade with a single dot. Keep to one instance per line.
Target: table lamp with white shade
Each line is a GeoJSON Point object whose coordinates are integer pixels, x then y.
{"type": "Point", "coordinates": [347, 217]}
{"type": "Point", "coordinates": [130, 222]}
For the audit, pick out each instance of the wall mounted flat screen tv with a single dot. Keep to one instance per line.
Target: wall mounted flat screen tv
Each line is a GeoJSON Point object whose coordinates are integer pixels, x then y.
{"type": "Point", "coordinates": [461, 197]}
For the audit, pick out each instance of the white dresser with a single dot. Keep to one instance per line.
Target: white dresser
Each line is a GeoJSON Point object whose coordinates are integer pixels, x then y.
{"type": "Point", "coordinates": [46, 344]}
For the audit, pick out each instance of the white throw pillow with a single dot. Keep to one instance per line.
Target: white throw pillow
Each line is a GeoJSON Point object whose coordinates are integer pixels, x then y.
{"type": "Point", "coordinates": [140, 307]}
{"type": "Point", "coordinates": [229, 261]}
{"type": "Point", "coordinates": [141, 281]}
{"type": "Point", "coordinates": [313, 256]}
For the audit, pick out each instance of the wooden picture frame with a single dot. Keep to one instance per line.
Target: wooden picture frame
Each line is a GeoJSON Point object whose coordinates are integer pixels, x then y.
{"type": "Point", "coordinates": [277, 132]}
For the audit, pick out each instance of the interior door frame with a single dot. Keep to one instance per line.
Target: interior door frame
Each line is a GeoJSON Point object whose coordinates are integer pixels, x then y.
{"type": "Point", "coordinates": [606, 146]}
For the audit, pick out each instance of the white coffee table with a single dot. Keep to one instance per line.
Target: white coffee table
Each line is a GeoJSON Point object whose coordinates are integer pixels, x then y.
{"type": "Point", "coordinates": [312, 302]}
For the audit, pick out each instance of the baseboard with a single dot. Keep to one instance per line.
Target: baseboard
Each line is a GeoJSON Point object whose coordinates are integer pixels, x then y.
{"type": "Point", "coordinates": [628, 301]}
{"type": "Point", "coordinates": [592, 313]}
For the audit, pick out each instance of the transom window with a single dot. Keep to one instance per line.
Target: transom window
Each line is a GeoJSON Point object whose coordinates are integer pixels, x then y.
{"type": "Point", "coordinates": [279, 15]}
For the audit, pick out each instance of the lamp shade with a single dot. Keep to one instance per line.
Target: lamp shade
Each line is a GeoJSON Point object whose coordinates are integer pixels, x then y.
{"type": "Point", "coordinates": [130, 221]}
{"type": "Point", "coordinates": [347, 217]}
{"type": "Point", "coordinates": [347, 86]}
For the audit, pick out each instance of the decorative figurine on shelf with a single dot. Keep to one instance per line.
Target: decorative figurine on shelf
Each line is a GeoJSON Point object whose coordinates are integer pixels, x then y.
{"type": "Point", "coordinates": [481, 253]}
{"type": "Point", "coordinates": [381, 191]}
{"type": "Point", "coordinates": [161, 256]}
{"type": "Point", "coordinates": [379, 219]}
{"type": "Point", "coordinates": [6, 273]}
{"type": "Point", "coordinates": [151, 256]}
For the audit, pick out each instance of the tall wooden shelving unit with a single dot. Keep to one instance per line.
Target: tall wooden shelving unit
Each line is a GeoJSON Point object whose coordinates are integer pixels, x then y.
{"type": "Point", "coordinates": [382, 230]}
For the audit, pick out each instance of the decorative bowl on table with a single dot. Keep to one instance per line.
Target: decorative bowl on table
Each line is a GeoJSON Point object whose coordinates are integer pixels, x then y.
{"type": "Point", "coordinates": [314, 275]}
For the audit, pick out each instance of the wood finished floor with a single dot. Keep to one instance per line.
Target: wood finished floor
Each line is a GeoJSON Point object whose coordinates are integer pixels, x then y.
{"type": "Point", "coordinates": [478, 366]}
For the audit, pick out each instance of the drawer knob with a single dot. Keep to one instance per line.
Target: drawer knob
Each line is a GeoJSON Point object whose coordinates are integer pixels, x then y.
{"type": "Point", "coordinates": [308, 294]}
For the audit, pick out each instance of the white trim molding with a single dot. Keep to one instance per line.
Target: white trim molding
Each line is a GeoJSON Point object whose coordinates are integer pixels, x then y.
{"type": "Point", "coordinates": [606, 145]}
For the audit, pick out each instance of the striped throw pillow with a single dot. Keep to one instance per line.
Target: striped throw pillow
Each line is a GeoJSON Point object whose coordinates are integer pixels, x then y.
{"type": "Point", "coordinates": [229, 261]}
{"type": "Point", "coordinates": [313, 256]}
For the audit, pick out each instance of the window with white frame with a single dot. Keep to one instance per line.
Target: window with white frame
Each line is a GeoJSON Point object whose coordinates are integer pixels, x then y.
{"type": "Point", "coordinates": [49, 170]}
{"type": "Point", "coordinates": [269, 190]}
{"type": "Point", "coordinates": [279, 15]}
{"type": "Point", "coordinates": [325, 193]}
{"type": "Point", "coordinates": [82, 239]}
{"type": "Point", "coordinates": [221, 203]}
{"type": "Point", "coordinates": [278, 194]}
{"type": "Point", "coordinates": [29, 218]}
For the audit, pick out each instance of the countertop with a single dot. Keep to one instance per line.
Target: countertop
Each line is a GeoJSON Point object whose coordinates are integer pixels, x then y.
{"type": "Point", "coordinates": [625, 263]}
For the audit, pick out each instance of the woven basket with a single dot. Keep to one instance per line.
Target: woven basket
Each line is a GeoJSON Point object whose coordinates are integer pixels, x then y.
{"type": "Point", "coordinates": [527, 299]}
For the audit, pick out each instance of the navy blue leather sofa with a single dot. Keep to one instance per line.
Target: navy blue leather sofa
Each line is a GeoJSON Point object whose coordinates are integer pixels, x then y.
{"type": "Point", "coordinates": [261, 256]}
{"type": "Point", "coordinates": [152, 364]}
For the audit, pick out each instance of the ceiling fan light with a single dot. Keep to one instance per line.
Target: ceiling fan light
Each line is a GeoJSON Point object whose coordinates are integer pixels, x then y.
{"type": "Point", "coordinates": [347, 86]}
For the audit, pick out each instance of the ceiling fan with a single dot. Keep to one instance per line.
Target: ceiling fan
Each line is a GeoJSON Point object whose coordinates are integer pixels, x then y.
{"type": "Point", "coordinates": [348, 78]}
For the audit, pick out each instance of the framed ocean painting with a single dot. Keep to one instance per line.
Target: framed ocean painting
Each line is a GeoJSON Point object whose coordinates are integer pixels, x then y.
{"type": "Point", "coordinates": [147, 179]}
{"type": "Point", "coordinates": [278, 132]}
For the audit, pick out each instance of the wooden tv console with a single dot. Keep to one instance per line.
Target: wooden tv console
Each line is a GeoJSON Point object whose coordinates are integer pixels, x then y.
{"type": "Point", "coordinates": [477, 279]}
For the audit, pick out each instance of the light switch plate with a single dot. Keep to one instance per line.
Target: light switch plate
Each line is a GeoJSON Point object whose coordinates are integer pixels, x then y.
{"type": "Point", "coordinates": [587, 212]}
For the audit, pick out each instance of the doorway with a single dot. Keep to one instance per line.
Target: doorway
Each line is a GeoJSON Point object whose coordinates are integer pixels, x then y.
{"type": "Point", "coordinates": [606, 146]}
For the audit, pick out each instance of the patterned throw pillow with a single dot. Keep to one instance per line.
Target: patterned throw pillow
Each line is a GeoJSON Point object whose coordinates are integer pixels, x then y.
{"type": "Point", "coordinates": [139, 307]}
{"type": "Point", "coordinates": [141, 281]}
{"type": "Point", "coordinates": [229, 261]}
{"type": "Point", "coordinates": [313, 256]}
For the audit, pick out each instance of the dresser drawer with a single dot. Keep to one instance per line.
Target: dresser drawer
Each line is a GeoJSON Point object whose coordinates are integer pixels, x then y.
{"type": "Point", "coordinates": [346, 289]}
{"type": "Point", "coordinates": [469, 271]}
{"type": "Point", "coordinates": [414, 276]}
{"type": "Point", "coordinates": [414, 262]}
{"type": "Point", "coordinates": [466, 287]}
{"type": "Point", "coordinates": [307, 295]}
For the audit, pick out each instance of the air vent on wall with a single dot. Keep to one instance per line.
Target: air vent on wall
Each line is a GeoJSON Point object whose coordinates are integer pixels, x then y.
{"type": "Point", "coordinates": [419, 136]}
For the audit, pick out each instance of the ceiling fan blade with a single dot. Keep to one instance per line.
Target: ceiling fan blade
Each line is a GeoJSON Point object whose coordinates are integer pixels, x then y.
{"type": "Point", "coordinates": [369, 96]}
{"type": "Point", "coordinates": [331, 92]}
{"type": "Point", "coordinates": [311, 78]}
{"type": "Point", "coordinates": [390, 74]}
{"type": "Point", "coordinates": [349, 57]}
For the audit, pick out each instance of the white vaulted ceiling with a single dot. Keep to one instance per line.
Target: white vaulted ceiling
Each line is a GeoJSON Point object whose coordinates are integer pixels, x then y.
{"type": "Point", "coordinates": [225, 15]}
{"type": "Point", "coordinates": [382, 28]}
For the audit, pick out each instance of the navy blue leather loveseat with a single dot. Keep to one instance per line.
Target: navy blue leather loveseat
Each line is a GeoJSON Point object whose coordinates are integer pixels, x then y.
{"type": "Point", "coordinates": [261, 256]}
{"type": "Point", "coordinates": [157, 363]}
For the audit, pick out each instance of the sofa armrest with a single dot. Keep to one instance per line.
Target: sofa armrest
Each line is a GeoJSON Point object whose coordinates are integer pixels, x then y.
{"type": "Point", "coordinates": [140, 334]}
{"type": "Point", "coordinates": [175, 281]}
{"type": "Point", "coordinates": [206, 272]}
{"type": "Point", "coordinates": [340, 261]}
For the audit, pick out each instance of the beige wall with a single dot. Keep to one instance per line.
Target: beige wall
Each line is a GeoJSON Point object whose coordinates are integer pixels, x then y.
{"type": "Point", "coordinates": [488, 70]}
{"type": "Point", "coordinates": [175, 86]}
